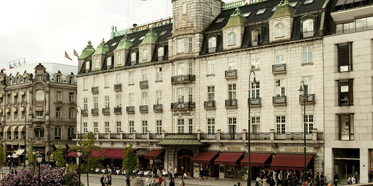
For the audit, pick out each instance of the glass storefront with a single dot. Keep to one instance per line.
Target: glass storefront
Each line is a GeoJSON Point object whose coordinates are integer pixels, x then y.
{"type": "Point", "coordinates": [346, 163]}
{"type": "Point", "coordinates": [229, 171]}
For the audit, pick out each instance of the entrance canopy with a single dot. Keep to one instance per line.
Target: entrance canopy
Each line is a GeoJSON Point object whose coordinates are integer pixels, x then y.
{"type": "Point", "coordinates": [290, 161]}
{"type": "Point", "coordinates": [94, 153]}
{"type": "Point", "coordinates": [256, 159]}
{"type": "Point", "coordinates": [181, 140]}
{"type": "Point", "coordinates": [228, 158]}
{"type": "Point", "coordinates": [205, 157]}
{"type": "Point", "coordinates": [153, 154]}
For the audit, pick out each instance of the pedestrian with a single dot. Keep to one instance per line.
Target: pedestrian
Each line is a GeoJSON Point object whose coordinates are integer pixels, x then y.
{"type": "Point", "coordinates": [172, 182]}
{"type": "Point", "coordinates": [148, 181]}
{"type": "Point", "coordinates": [106, 180]}
{"type": "Point", "coordinates": [258, 181]}
{"type": "Point", "coordinates": [322, 178]}
{"type": "Point", "coordinates": [356, 173]}
{"type": "Point", "coordinates": [109, 177]}
{"type": "Point", "coordinates": [183, 173]}
{"type": "Point", "coordinates": [127, 180]}
{"type": "Point", "coordinates": [182, 183]}
{"type": "Point", "coordinates": [175, 173]}
{"type": "Point", "coordinates": [275, 177]}
{"type": "Point", "coordinates": [15, 171]}
{"type": "Point", "coordinates": [12, 172]}
{"type": "Point", "coordinates": [371, 175]}
{"type": "Point", "coordinates": [102, 180]}
{"type": "Point", "coordinates": [335, 179]}
{"type": "Point", "coordinates": [353, 180]}
{"type": "Point", "coordinates": [201, 177]}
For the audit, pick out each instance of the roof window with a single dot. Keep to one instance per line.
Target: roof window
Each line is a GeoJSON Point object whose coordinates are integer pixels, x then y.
{"type": "Point", "coordinates": [141, 38]}
{"type": "Point", "coordinates": [133, 39]}
{"type": "Point", "coordinates": [114, 44]}
{"type": "Point", "coordinates": [293, 4]}
{"type": "Point", "coordinates": [308, 2]}
{"type": "Point", "coordinates": [274, 8]}
{"type": "Point", "coordinates": [246, 14]}
{"type": "Point", "coordinates": [220, 20]}
{"type": "Point", "coordinates": [163, 33]}
{"type": "Point", "coordinates": [261, 11]}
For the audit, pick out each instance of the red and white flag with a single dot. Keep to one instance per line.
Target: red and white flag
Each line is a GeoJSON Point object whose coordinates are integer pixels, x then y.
{"type": "Point", "coordinates": [76, 53]}
{"type": "Point", "coordinates": [67, 56]}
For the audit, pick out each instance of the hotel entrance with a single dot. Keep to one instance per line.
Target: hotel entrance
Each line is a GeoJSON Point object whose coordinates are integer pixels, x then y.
{"type": "Point", "coordinates": [184, 158]}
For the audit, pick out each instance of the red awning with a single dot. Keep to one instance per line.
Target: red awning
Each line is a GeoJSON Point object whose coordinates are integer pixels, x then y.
{"type": "Point", "coordinates": [94, 153]}
{"type": "Point", "coordinates": [153, 154]}
{"type": "Point", "coordinates": [114, 154]}
{"type": "Point", "coordinates": [72, 155]}
{"type": "Point", "coordinates": [256, 159]}
{"type": "Point", "coordinates": [228, 158]}
{"type": "Point", "coordinates": [204, 157]}
{"type": "Point", "coordinates": [290, 161]}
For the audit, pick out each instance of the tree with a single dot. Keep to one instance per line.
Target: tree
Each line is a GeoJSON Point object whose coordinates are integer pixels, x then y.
{"type": "Point", "coordinates": [31, 157]}
{"type": "Point", "coordinates": [129, 160]}
{"type": "Point", "coordinates": [2, 156]}
{"type": "Point", "coordinates": [59, 157]}
{"type": "Point", "coordinates": [88, 161]}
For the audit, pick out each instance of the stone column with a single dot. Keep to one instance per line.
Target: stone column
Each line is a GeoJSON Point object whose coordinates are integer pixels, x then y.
{"type": "Point", "coordinates": [244, 134]}
{"type": "Point", "coordinates": [272, 134]}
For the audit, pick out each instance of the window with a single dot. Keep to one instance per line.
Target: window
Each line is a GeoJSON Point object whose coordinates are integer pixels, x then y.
{"type": "Point", "coordinates": [107, 126]}
{"type": "Point", "coordinates": [87, 66]}
{"type": "Point", "coordinates": [160, 52]}
{"type": "Point", "coordinates": [232, 91]}
{"type": "Point", "coordinates": [119, 60]}
{"type": "Point", "coordinates": [158, 98]}
{"type": "Point", "coordinates": [119, 78]}
{"type": "Point", "coordinates": [256, 37]}
{"type": "Point", "coordinates": [39, 132]}
{"type": "Point", "coordinates": [119, 100]}
{"type": "Point", "coordinates": [180, 95]}
{"type": "Point", "coordinates": [232, 63]}
{"type": "Point", "coordinates": [190, 98]}
{"type": "Point", "coordinates": [133, 58]}
{"type": "Point", "coordinates": [95, 102]}
{"type": "Point", "coordinates": [39, 114]}
{"type": "Point", "coordinates": [308, 25]}
{"type": "Point", "coordinates": [293, 4]}
{"type": "Point", "coordinates": [211, 126]}
{"type": "Point", "coordinates": [130, 77]}
{"type": "Point", "coordinates": [219, 20]}
{"type": "Point", "coordinates": [307, 54]}
{"type": "Point", "coordinates": [246, 14]}
{"type": "Point", "coordinates": [108, 62]}
{"type": "Point", "coordinates": [144, 75]}
{"type": "Point", "coordinates": [57, 133]}
{"type": "Point", "coordinates": [15, 115]}
{"type": "Point", "coordinates": [280, 88]}
{"type": "Point", "coordinates": [255, 121]}
{"type": "Point", "coordinates": [190, 68]}
{"type": "Point", "coordinates": [95, 81]}
{"type": "Point", "coordinates": [107, 81]}
{"type": "Point", "coordinates": [345, 57]}
{"type": "Point", "coordinates": [261, 11]}
{"type": "Point", "coordinates": [180, 125]}
{"type": "Point", "coordinates": [144, 54]}
{"type": "Point", "coordinates": [279, 30]}
{"type": "Point", "coordinates": [23, 98]}
{"type": "Point", "coordinates": [255, 90]}
{"type": "Point", "coordinates": [9, 98]}
{"type": "Point", "coordinates": [144, 127]}
{"type": "Point", "coordinates": [212, 42]}
{"type": "Point", "coordinates": [141, 38]}
{"type": "Point", "coordinates": [131, 125]}
{"type": "Point", "coordinates": [274, 8]}
{"type": "Point", "coordinates": [97, 61]}
{"type": "Point", "coordinates": [308, 122]}
{"type": "Point", "coordinates": [144, 98]}
{"type": "Point", "coordinates": [232, 125]}
{"type": "Point", "coordinates": [58, 79]}
{"type": "Point", "coordinates": [280, 122]}
{"type": "Point", "coordinates": [308, 82]}
{"type": "Point", "coordinates": [180, 46]}
{"type": "Point", "coordinates": [131, 100]}
{"type": "Point", "coordinates": [254, 61]}
{"type": "Point", "coordinates": [184, 7]}
{"type": "Point", "coordinates": [163, 33]}
{"type": "Point", "coordinates": [159, 126]}
{"type": "Point", "coordinates": [58, 96]}
{"type": "Point", "coordinates": [211, 93]}
{"type": "Point", "coordinates": [58, 112]}
{"type": "Point", "coordinates": [180, 69]}
{"type": "Point", "coordinates": [70, 132]}
{"type": "Point", "coordinates": [107, 101]}
{"type": "Point", "coordinates": [280, 56]}
{"type": "Point", "coordinates": [190, 45]}
{"type": "Point", "coordinates": [40, 78]}
{"type": "Point", "coordinates": [210, 67]}
{"type": "Point", "coordinates": [346, 127]}
{"type": "Point", "coordinates": [346, 92]}
{"type": "Point", "coordinates": [190, 125]}
{"type": "Point", "coordinates": [95, 127]}
{"type": "Point", "coordinates": [119, 127]}
{"type": "Point", "coordinates": [71, 97]}
{"type": "Point", "coordinates": [159, 74]}
{"type": "Point", "coordinates": [15, 99]}
{"type": "Point", "coordinates": [232, 39]}
{"type": "Point", "coordinates": [39, 95]}
{"type": "Point", "coordinates": [85, 103]}
{"type": "Point", "coordinates": [23, 115]}
{"type": "Point", "coordinates": [308, 2]}
{"type": "Point", "coordinates": [72, 112]}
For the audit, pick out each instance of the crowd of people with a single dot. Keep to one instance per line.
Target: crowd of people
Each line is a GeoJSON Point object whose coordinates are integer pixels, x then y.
{"type": "Point", "coordinates": [288, 178]}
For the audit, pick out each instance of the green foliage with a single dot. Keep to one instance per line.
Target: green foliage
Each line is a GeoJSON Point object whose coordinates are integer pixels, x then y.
{"type": "Point", "coordinates": [31, 157]}
{"type": "Point", "coordinates": [59, 157]}
{"type": "Point", "coordinates": [88, 161]}
{"type": "Point", "coordinates": [2, 155]}
{"type": "Point", "coordinates": [129, 160]}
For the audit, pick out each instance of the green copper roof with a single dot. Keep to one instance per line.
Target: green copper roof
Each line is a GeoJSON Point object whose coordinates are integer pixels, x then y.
{"type": "Point", "coordinates": [283, 9]}
{"type": "Point", "coordinates": [236, 19]}
{"type": "Point", "coordinates": [88, 50]}
{"type": "Point", "coordinates": [150, 38]}
{"type": "Point", "coordinates": [124, 43]}
{"type": "Point", "coordinates": [102, 48]}
{"type": "Point", "coordinates": [176, 140]}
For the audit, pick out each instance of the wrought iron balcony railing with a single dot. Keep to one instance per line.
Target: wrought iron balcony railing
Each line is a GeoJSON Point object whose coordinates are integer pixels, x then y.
{"type": "Point", "coordinates": [209, 105]}
{"type": "Point", "coordinates": [183, 106]}
{"type": "Point", "coordinates": [231, 103]}
{"type": "Point", "coordinates": [183, 79]}
{"type": "Point", "coordinates": [231, 74]}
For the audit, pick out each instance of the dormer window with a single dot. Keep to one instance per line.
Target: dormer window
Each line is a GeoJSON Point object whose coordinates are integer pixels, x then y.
{"type": "Point", "coordinates": [261, 11]}
{"type": "Point", "coordinates": [141, 38]}
{"type": "Point", "coordinates": [220, 20]}
{"type": "Point", "coordinates": [232, 39]}
{"type": "Point", "coordinates": [87, 66]}
{"type": "Point", "coordinates": [308, 2]}
{"type": "Point", "coordinates": [71, 80]}
{"type": "Point", "coordinates": [144, 54]}
{"type": "Point", "coordinates": [160, 53]}
{"type": "Point", "coordinates": [58, 79]}
{"type": "Point", "coordinates": [246, 14]}
{"type": "Point", "coordinates": [256, 37]}
{"type": "Point", "coordinates": [308, 28]}
{"type": "Point", "coordinates": [279, 30]}
{"type": "Point", "coordinates": [108, 62]}
{"type": "Point", "coordinates": [119, 61]}
{"type": "Point", "coordinates": [212, 44]}
{"type": "Point", "coordinates": [133, 58]}
{"type": "Point", "coordinates": [40, 77]}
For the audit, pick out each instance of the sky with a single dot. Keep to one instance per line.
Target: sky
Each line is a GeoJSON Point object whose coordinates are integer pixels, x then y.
{"type": "Point", "coordinates": [42, 30]}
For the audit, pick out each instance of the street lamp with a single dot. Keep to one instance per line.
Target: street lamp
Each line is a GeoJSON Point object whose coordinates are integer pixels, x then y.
{"type": "Point", "coordinates": [24, 157]}
{"type": "Point", "coordinates": [39, 158]}
{"type": "Point", "coordinates": [305, 129]}
{"type": "Point", "coordinates": [248, 138]}
{"type": "Point", "coordinates": [80, 153]}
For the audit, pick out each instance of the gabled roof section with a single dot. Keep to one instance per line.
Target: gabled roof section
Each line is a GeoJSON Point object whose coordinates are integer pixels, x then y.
{"type": "Point", "coordinates": [283, 9]}
{"type": "Point", "coordinates": [102, 48]}
{"type": "Point", "coordinates": [125, 43]}
{"type": "Point", "coordinates": [87, 51]}
{"type": "Point", "coordinates": [150, 38]}
{"type": "Point", "coordinates": [236, 19]}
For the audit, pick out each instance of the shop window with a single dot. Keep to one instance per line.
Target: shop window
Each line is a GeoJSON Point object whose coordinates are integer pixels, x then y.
{"type": "Point", "coordinates": [345, 92]}
{"type": "Point", "coordinates": [345, 57]}
{"type": "Point", "coordinates": [346, 127]}
{"type": "Point", "coordinates": [39, 132]}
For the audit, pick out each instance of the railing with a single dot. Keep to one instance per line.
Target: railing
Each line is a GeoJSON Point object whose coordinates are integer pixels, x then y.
{"type": "Point", "coordinates": [155, 136]}
{"type": "Point", "coordinates": [231, 136]}
{"type": "Point", "coordinates": [254, 101]}
{"type": "Point", "coordinates": [115, 136]}
{"type": "Point", "coordinates": [279, 100]}
{"type": "Point", "coordinates": [182, 79]}
{"type": "Point", "coordinates": [158, 108]}
{"type": "Point", "coordinates": [259, 136]}
{"type": "Point", "coordinates": [118, 87]}
{"type": "Point", "coordinates": [94, 90]}
{"type": "Point", "coordinates": [94, 112]}
{"type": "Point", "coordinates": [231, 74]}
{"type": "Point", "coordinates": [278, 68]}
{"type": "Point", "coordinates": [130, 109]}
{"type": "Point", "coordinates": [144, 84]}
{"type": "Point", "coordinates": [143, 108]}
{"type": "Point", "coordinates": [238, 4]}
{"type": "Point", "coordinates": [141, 136]}
{"type": "Point", "coordinates": [127, 136]}
{"type": "Point", "coordinates": [209, 104]}
{"type": "Point", "coordinates": [206, 136]}
{"type": "Point", "coordinates": [103, 136]}
{"type": "Point", "coordinates": [117, 110]}
{"type": "Point", "coordinates": [106, 111]}
{"type": "Point", "coordinates": [84, 113]}
{"type": "Point", "coordinates": [183, 106]}
{"type": "Point", "coordinates": [292, 136]}
{"type": "Point", "coordinates": [357, 29]}
{"type": "Point", "coordinates": [231, 103]}
{"type": "Point", "coordinates": [309, 98]}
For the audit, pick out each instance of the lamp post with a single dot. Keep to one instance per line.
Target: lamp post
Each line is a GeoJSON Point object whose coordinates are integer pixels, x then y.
{"type": "Point", "coordinates": [24, 157]}
{"type": "Point", "coordinates": [39, 158]}
{"type": "Point", "coordinates": [34, 153]}
{"type": "Point", "coordinates": [305, 129]}
{"type": "Point", "coordinates": [248, 138]}
{"type": "Point", "coordinates": [80, 153]}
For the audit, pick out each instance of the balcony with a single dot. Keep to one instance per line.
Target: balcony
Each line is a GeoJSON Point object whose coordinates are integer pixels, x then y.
{"type": "Point", "coordinates": [94, 112]}
{"type": "Point", "coordinates": [209, 105]}
{"type": "Point", "coordinates": [84, 113]}
{"type": "Point", "coordinates": [130, 110]}
{"type": "Point", "coordinates": [231, 74]}
{"type": "Point", "coordinates": [231, 103]}
{"type": "Point", "coordinates": [143, 109]}
{"type": "Point", "coordinates": [279, 100]}
{"type": "Point", "coordinates": [144, 84]}
{"type": "Point", "coordinates": [279, 69]}
{"type": "Point", "coordinates": [158, 108]}
{"type": "Point", "coordinates": [94, 90]}
{"type": "Point", "coordinates": [118, 87]}
{"type": "Point", "coordinates": [105, 111]}
{"type": "Point", "coordinates": [309, 99]}
{"type": "Point", "coordinates": [183, 106]}
{"type": "Point", "coordinates": [254, 102]}
{"type": "Point", "coordinates": [182, 79]}
{"type": "Point", "coordinates": [118, 110]}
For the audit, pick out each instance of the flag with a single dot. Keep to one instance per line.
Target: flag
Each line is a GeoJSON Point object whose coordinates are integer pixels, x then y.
{"type": "Point", "coordinates": [76, 53]}
{"type": "Point", "coordinates": [67, 56]}
{"type": "Point", "coordinates": [10, 67]}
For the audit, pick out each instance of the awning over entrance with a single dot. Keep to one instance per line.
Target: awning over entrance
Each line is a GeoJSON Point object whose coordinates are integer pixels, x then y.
{"type": "Point", "coordinates": [181, 140]}
{"type": "Point", "coordinates": [256, 159]}
{"type": "Point", "coordinates": [94, 153]}
{"type": "Point", "coordinates": [228, 158]}
{"type": "Point", "coordinates": [153, 154]}
{"type": "Point", "coordinates": [290, 161]}
{"type": "Point", "coordinates": [20, 152]}
{"type": "Point", "coordinates": [205, 157]}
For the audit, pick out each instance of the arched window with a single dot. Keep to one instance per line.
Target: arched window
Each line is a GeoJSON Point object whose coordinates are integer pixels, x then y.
{"type": "Point", "coordinates": [212, 42]}
{"type": "Point", "coordinates": [39, 132]}
{"type": "Point", "coordinates": [255, 36]}
{"type": "Point", "coordinates": [184, 7]}
{"type": "Point", "coordinates": [160, 52]}
{"type": "Point", "coordinates": [39, 95]}
{"type": "Point", "coordinates": [308, 26]}
{"type": "Point", "coordinates": [145, 54]}
{"type": "Point", "coordinates": [279, 30]}
{"type": "Point", "coordinates": [232, 39]}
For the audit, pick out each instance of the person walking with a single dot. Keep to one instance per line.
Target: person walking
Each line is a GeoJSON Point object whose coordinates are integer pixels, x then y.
{"type": "Point", "coordinates": [182, 183]}
{"type": "Point", "coordinates": [171, 174]}
{"type": "Point", "coordinates": [201, 177]}
{"type": "Point", "coordinates": [109, 179]}
{"type": "Point", "coordinates": [172, 182]}
{"type": "Point", "coordinates": [317, 179]}
{"type": "Point", "coordinates": [322, 178]}
{"type": "Point", "coordinates": [148, 181]}
{"type": "Point", "coordinates": [175, 173]}
{"type": "Point", "coordinates": [127, 180]}
{"type": "Point", "coordinates": [356, 173]}
{"type": "Point", "coordinates": [183, 172]}
{"type": "Point", "coordinates": [102, 180]}
{"type": "Point", "coordinates": [106, 180]}
{"type": "Point", "coordinates": [335, 179]}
